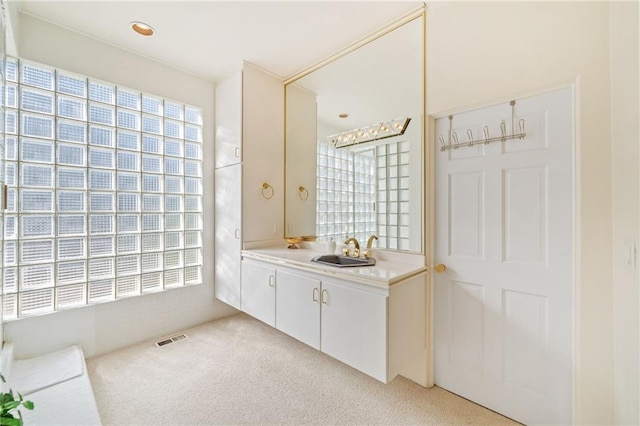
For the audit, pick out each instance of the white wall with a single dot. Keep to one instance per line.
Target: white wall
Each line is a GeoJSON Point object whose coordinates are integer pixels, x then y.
{"type": "Point", "coordinates": [12, 22]}
{"type": "Point", "coordinates": [106, 327]}
{"type": "Point", "coordinates": [480, 52]}
{"type": "Point", "coordinates": [625, 137]}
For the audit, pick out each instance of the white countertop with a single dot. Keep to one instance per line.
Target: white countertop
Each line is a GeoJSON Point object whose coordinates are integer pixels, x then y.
{"type": "Point", "coordinates": [388, 270]}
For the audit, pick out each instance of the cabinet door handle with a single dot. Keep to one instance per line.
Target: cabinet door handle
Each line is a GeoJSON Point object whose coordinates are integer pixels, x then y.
{"type": "Point", "coordinates": [237, 152]}
{"type": "Point", "coordinates": [324, 297]}
{"type": "Point", "coordinates": [237, 234]}
{"type": "Point", "coordinates": [314, 294]}
{"type": "Point", "coordinates": [272, 281]}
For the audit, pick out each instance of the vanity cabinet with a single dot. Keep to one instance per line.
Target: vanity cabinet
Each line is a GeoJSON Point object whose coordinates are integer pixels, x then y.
{"type": "Point", "coordinates": [259, 291]}
{"type": "Point", "coordinates": [249, 176]}
{"type": "Point", "coordinates": [227, 237]}
{"type": "Point", "coordinates": [346, 323]}
{"type": "Point", "coordinates": [228, 119]}
{"type": "Point", "coordinates": [353, 328]}
{"type": "Point", "coordinates": [377, 330]}
{"type": "Point", "coordinates": [298, 302]}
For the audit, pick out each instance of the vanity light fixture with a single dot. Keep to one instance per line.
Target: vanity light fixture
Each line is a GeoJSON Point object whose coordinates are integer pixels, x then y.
{"type": "Point", "coordinates": [385, 129]}
{"type": "Point", "coordinates": [142, 28]}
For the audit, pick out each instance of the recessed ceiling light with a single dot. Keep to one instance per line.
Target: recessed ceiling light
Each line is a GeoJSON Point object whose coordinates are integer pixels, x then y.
{"type": "Point", "coordinates": [343, 115]}
{"type": "Point", "coordinates": [142, 28]}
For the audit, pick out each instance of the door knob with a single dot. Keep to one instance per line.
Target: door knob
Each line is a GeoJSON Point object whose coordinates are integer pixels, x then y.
{"type": "Point", "coordinates": [440, 268]}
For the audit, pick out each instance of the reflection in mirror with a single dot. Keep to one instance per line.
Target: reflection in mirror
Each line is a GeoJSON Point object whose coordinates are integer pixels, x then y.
{"type": "Point", "coordinates": [359, 179]}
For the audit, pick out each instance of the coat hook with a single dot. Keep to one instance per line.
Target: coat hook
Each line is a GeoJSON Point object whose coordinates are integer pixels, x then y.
{"type": "Point", "coordinates": [470, 136]}
{"type": "Point", "coordinates": [484, 135]}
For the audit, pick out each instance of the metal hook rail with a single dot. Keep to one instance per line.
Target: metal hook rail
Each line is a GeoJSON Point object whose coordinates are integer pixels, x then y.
{"type": "Point", "coordinates": [454, 142]}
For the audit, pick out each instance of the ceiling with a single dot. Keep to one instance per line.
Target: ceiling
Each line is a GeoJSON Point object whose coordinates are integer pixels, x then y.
{"type": "Point", "coordinates": [211, 38]}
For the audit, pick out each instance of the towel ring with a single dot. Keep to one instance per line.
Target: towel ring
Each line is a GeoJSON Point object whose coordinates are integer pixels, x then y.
{"type": "Point", "coordinates": [303, 194]}
{"type": "Point", "coordinates": [267, 191]}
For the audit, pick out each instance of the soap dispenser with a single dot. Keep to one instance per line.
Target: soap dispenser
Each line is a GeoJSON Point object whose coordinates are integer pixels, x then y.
{"type": "Point", "coordinates": [331, 246]}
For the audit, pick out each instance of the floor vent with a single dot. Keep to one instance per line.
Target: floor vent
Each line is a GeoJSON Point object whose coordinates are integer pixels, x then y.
{"type": "Point", "coordinates": [171, 339]}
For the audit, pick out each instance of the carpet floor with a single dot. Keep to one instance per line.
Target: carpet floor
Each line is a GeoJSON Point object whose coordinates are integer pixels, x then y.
{"type": "Point", "coordinates": [237, 370]}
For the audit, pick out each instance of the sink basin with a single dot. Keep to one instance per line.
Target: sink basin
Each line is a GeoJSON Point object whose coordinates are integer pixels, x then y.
{"type": "Point", "coordinates": [343, 261]}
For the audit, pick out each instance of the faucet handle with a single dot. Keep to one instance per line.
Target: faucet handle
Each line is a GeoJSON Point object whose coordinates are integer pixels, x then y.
{"type": "Point", "coordinates": [356, 250]}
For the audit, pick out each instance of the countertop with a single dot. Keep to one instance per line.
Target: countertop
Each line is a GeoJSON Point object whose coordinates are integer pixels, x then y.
{"type": "Point", "coordinates": [388, 270]}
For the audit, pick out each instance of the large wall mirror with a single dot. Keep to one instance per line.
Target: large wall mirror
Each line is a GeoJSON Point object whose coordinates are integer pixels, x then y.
{"type": "Point", "coordinates": [354, 143]}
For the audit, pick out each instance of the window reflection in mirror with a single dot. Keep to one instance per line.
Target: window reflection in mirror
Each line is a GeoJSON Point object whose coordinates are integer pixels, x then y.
{"type": "Point", "coordinates": [373, 187]}
{"type": "Point", "coordinates": [369, 189]}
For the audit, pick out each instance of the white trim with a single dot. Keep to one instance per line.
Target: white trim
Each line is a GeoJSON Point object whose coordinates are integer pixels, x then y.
{"type": "Point", "coordinates": [577, 238]}
{"type": "Point", "coordinates": [494, 101]}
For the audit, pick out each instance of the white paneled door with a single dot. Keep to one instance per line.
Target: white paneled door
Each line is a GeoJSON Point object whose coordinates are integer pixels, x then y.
{"type": "Point", "coordinates": [503, 307]}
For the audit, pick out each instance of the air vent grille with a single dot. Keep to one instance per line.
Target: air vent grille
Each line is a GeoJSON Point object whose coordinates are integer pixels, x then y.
{"type": "Point", "coordinates": [171, 339]}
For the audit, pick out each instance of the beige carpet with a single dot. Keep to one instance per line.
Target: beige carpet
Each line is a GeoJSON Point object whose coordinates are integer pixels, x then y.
{"type": "Point", "coordinates": [239, 371]}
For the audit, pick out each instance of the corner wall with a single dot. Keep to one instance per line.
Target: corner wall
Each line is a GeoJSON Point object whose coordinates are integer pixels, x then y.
{"type": "Point", "coordinates": [12, 22]}
{"type": "Point", "coordinates": [480, 52]}
{"type": "Point", "coordinates": [625, 137]}
{"type": "Point", "coordinates": [106, 327]}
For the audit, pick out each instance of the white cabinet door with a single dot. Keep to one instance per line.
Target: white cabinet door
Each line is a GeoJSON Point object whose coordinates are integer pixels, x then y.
{"type": "Point", "coordinates": [227, 240]}
{"type": "Point", "coordinates": [228, 117]}
{"type": "Point", "coordinates": [298, 307]}
{"type": "Point", "coordinates": [259, 291]}
{"type": "Point", "coordinates": [354, 328]}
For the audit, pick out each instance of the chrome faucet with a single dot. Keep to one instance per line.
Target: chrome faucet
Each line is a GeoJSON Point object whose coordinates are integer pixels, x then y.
{"type": "Point", "coordinates": [356, 250]}
{"type": "Point", "coordinates": [367, 252]}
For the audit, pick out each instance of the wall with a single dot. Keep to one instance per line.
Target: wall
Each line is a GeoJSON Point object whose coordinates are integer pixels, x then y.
{"type": "Point", "coordinates": [12, 21]}
{"type": "Point", "coordinates": [262, 155]}
{"type": "Point", "coordinates": [106, 327]}
{"type": "Point", "coordinates": [625, 137]}
{"type": "Point", "coordinates": [483, 52]}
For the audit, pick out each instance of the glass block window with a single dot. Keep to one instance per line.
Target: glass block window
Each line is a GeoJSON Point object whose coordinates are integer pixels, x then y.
{"type": "Point", "coordinates": [360, 193]}
{"type": "Point", "coordinates": [392, 195]}
{"type": "Point", "coordinates": [105, 191]}
{"type": "Point", "coordinates": [345, 205]}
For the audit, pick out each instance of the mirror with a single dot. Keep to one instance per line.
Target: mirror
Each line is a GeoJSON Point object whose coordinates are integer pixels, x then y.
{"type": "Point", "coordinates": [374, 186]}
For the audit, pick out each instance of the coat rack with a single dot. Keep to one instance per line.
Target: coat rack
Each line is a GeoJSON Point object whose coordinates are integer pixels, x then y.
{"type": "Point", "coordinates": [454, 143]}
